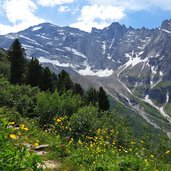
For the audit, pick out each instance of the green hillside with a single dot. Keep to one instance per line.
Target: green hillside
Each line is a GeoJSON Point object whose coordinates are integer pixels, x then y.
{"type": "Point", "coordinates": [53, 124]}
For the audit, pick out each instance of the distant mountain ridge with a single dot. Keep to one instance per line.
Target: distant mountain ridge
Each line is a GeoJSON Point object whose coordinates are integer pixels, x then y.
{"type": "Point", "coordinates": [133, 65]}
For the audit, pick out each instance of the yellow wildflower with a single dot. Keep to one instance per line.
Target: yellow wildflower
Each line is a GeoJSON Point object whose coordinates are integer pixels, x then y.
{"type": "Point", "coordinates": [132, 142]}
{"type": "Point", "coordinates": [167, 152]}
{"type": "Point", "coordinates": [146, 162]}
{"type": "Point", "coordinates": [152, 156]}
{"type": "Point", "coordinates": [71, 140]}
{"type": "Point", "coordinates": [112, 131]}
{"type": "Point", "coordinates": [25, 129]}
{"type": "Point", "coordinates": [98, 131]}
{"type": "Point", "coordinates": [22, 126]}
{"type": "Point", "coordinates": [58, 120]}
{"type": "Point", "coordinates": [91, 145]}
{"type": "Point", "coordinates": [13, 136]}
{"type": "Point", "coordinates": [11, 123]}
{"type": "Point", "coordinates": [114, 142]}
{"type": "Point", "coordinates": [79, 142]}
{"type": "Point", "coordinates": [98, 150]}
{"type": "Point", "coordinates": [36, 144]}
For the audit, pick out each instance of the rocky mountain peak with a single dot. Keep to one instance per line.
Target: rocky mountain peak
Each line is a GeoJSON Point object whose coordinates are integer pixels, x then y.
{"type": "Point", "coordinates": [166, 24]}
{"type": "Point", "coordinates": [129, 63]}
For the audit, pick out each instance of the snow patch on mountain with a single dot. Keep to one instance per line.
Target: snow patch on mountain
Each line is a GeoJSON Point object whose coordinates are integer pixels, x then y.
{"type": "Point", "coordinates": [166, 31]}
{"type": "Point", "coordinates": [11, 36]}
{"type": "Point", "coordinates": [160, 79]}
{"type": "Point", "coordinates": [42, 50]}
{"type": "Point", "coordinates": [36, 28]}
{"type": "Point", "coordinates": [110, 57]}
{"type": "Point", "coordinates": [104, 47]}
{"type": "Point", "coordinates": [30, 40]}
{"type": "Point", "coordinates": [100, 73]}
{"type": "Point", "coordinates": [162, 109]}
{"type": "Point", "coordinates": [49, 43]}
{"type": "Point", "coordinates": [54, 62]}
{"type": "Point", "coordinates": [153, 73]}
{"type": "Point", "coordinates": [27, 46]}
{"type": "Point", "coordinates": [75, 52]}
{"type": "Point", "coordinates": [38, 35]}
{"type": "Point", "coordinates": [134, 60]}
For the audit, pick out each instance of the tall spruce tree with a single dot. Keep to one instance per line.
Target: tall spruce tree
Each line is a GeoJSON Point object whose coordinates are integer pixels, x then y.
{"type": "Point", "coordinates": [35, 72]}
{"type": "Point", "coordinates": [103, 101]}
{"type": "Point", "coordinates": [17, 63]}
{"type": "Point", "coordinates": [64, 82]}
{"type": "Point", "coordinates": [91, 96]}
{"type": "Point", "coordinates": [78, 89]}
{"type": "Point", "coordinates": [47, 80]}
{"type": "Point", "coordinates": [55, 80]}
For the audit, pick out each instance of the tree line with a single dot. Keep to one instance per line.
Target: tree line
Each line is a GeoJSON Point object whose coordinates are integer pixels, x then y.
{"type": "Point", "coordinates": [31, 72]}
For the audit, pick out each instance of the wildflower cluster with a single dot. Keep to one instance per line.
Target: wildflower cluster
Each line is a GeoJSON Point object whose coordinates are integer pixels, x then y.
{"type": "Point", "coordinates": [103, 148]}
{"type": "Point", "coordinates": [23, 127]}
{"type": "Point", "coordinates": [13, 153]}
{"type": "Point", "coordinates": [62, 125]}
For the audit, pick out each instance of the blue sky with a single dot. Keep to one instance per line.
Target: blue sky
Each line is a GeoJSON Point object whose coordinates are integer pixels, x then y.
{"type": "Point", "coordinates": [16, 15]}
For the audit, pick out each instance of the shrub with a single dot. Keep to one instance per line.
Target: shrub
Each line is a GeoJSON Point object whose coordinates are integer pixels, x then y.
{"type": "Point", "coordinates": [49, 106]}
{"type": "Point", "coordinates": [84, 121]}
{"type": "Point", "coordinates": [22, 98]}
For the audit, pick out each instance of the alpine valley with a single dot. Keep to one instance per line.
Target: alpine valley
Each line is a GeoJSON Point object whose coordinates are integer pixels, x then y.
{"type": "Point", "coordinates": [132, 65]}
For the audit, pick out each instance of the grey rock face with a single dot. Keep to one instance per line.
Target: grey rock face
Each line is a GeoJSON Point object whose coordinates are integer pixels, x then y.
{"type": "Point", "coordinates": [140, 58]}
{"type": "Point", "coordinates": [133, 65]}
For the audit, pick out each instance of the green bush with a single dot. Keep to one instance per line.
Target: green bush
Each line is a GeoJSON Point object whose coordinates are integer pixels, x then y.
{"type": "Point", "coordinates": [49, 106]}
{"type": "Point", "coordinates": [69, 103]}
{"type": "Point", "coordinates": [20, 97]}
{"type": "Point", "coordinates": [4, 64]}
{"type": "Point", "coordinates": [84, 122]}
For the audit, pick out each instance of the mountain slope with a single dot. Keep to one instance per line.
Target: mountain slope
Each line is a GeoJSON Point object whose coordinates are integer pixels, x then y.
{"type": "Point", "coordinates": [133, 65]}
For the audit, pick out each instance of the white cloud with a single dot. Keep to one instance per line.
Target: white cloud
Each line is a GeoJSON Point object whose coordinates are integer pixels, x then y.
{"type": "Point", "coordinates": [98, 16]}
{"type": "Point", "coordinates": [88, 26]}
{"type": "Point", "coordinates": [21, 14]}
{"type": "Point", "coordinates": [63, 9]}
{"type": "Point", "coordinates": [54, 2]}
{"type": "Point", "coordinates": [100, 13]}
{"type": "Point", "coordinates": [163, 4]}
{"type": "Point", "coordinates": [135, 5]}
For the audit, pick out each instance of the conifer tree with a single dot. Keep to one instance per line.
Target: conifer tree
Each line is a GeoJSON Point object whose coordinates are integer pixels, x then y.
{"type": "Point", "coordinates": [64, 82]}
{"type": "Point", "coordinates": [103, 101]}
{"type": "Point", "coordinates": [78, 89]}
{"type": "Point", "coordinates": [17, 63]}
{"type": "Point", "coordinates": [47, 80]}
{"type": "Point", "coordinates": [34, 75]}
{"type": "Point", "coordinates": [55, 80]}
{"type": "Point", "coordinates": [91, 96]}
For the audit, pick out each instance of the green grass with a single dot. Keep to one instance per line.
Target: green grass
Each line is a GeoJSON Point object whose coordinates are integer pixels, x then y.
{"type": "Point", "coordinates": [162, 84]}
{"type": "Point", "coordinates": [105, 149]}
{"type": "Point", "coordinates": [152, 111]}
{"type": "Point", "coordinates": [168, 109]}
